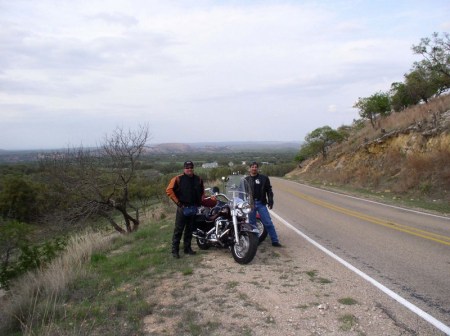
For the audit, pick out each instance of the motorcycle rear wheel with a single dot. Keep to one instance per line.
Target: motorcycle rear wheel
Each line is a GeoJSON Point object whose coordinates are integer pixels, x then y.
{"type": "Point", "coordinates": [245, 250]}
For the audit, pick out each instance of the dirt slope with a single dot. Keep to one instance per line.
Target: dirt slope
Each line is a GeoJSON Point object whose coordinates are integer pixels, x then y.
{"type": "Point", "coordinates": [409, 158]}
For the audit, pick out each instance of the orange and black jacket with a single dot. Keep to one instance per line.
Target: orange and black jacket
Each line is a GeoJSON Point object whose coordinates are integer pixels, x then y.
{"type": "Point", "coordinates": [184, 190]}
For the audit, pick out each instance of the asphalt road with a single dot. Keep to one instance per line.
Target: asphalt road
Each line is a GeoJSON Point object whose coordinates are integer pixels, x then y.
{"type": "Point", "coordinates": [406, 251]}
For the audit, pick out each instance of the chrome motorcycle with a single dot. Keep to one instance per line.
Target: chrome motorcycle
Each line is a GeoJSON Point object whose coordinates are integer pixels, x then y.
{"type": "Point", "coordinates": [226, 223]}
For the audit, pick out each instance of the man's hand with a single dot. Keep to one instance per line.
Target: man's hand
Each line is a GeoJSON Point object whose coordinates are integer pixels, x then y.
{"type": "Point", "coordinates": [270, 205]}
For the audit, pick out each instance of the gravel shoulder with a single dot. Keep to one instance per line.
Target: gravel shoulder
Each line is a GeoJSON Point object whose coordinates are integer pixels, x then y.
{"type": "Point", "coordinates": [294, 290]}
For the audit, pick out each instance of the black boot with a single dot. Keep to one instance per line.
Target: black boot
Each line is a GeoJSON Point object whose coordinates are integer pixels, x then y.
{"type": "Point", "coordinates": [188, 250]}
{"type": "Point", "coordinates": [175, 252]}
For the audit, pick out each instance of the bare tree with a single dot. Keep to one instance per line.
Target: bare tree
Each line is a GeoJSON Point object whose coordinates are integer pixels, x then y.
{"type": "Point", "coordinates": [96, 181]}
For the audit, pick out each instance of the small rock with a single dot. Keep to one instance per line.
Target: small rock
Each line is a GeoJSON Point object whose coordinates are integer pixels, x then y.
{"type": "Point", "coordinates": [323, 306]}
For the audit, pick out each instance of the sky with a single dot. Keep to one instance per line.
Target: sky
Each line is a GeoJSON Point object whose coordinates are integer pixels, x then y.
{"type": "Point", "coordinates": [72, 71]}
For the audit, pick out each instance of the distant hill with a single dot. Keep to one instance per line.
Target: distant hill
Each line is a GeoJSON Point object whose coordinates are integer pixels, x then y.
{"type": "Point", "coordinates": [16, 156]}
{"type": "Point", "coordinates": [223, 147]}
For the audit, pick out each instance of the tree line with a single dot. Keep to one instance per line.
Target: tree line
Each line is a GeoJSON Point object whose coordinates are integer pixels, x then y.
{"type": "Point", "coordinates": [427, 79]}
{"type": "Point", "coordinates": [68, 190]}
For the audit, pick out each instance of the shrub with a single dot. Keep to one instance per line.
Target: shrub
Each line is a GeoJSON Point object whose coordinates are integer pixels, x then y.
{"type": "Point", "coordinates": [18, 255]}
{"type": "Point", "coordinates": [35, 295]}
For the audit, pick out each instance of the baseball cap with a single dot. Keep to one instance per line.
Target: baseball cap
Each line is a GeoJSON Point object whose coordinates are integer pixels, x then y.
{"type": "Point", "coordinates": [188, 164]}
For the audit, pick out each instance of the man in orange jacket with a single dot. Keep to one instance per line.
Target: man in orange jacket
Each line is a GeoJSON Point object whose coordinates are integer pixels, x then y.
{"type": "Point", "coordinates": [185, 190]}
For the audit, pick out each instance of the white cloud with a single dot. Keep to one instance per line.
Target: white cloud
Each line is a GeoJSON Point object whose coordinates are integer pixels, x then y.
{"type": "Point", "coordinates": [280, 67]}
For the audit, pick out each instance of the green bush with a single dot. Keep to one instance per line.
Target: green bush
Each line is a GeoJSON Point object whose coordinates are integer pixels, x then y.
{"type": "Point", "coordinates": [18, 255]}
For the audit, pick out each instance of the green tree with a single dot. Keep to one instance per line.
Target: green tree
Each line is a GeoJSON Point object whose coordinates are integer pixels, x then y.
{"type": "Point", "coordinates": [18, 254]}
{"type": "Point", "coordinates": [18, 198]}
{"type": "Point", "coordinates": [308, 150]}
{"type": "Point", "coordinates": [401, 97]}
{"type": "Point", "coordinates": [422, 84]}
{"type": "Point", "coordinates": [344, 131]}
{"type": "Point", "coordinates": [12, 235]}
{"type": "Point", "coordinates": [318, 141]}
{"type": "Point", "coordinates": [377, 105]}
{"type": "Point", "coordinates": [217, 173]}
{"type": "Point", "coordinates": [431, 76]}
{"type": "Point", "coordinates": [436, 53]}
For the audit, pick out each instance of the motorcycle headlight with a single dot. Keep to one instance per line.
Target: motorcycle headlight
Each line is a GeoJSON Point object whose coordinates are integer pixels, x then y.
{"type": "Point", "coordinates": [246, 207]}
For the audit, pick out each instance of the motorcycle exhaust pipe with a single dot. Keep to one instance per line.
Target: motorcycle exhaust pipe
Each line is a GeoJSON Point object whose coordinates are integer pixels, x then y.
{"type": "Point", "coordinates": [197, 233]}
{"type": "Point", "coordinates": [224, 233]}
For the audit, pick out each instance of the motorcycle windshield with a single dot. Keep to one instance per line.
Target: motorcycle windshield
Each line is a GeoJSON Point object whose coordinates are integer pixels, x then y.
{"type": "Point", "coordinates": [238, 190]}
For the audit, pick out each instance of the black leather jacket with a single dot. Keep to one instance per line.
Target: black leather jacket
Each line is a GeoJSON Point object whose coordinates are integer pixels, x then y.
{"type": "Point", "coordinates": [184, 190]}
{"type": "Point", "coordinates": [266, 188]}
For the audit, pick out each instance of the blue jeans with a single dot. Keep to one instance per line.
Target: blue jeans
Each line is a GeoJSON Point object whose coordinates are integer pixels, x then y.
{"type": "Point", "coordinates": [265, 219]}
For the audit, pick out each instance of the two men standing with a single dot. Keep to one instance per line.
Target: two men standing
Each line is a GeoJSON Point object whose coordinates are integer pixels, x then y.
{"type": "Point", "coordinates": [187, 190]}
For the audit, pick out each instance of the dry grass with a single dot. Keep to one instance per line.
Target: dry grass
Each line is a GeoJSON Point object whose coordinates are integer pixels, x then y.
{"type": "Point", "coordinates": [394, 156]}
{"type": "Point", "coordinates": [34, 297]}
{"type": "Point", "coordinates": [426, 170]}
{"type": "Point", "coordinates": [397, 120]}
{"type": "Point", "coordinates": [417, 113]}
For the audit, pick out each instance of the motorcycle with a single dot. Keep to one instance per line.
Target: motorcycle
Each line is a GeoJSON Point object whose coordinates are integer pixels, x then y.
{"type": "Point", "coordinates": [226, 223]}
{"type": "Point", "coordinates": [262, 231]}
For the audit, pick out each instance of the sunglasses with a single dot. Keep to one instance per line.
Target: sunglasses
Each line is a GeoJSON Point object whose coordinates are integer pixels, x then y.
{"type": "Point", "coordinates": [188, 167]}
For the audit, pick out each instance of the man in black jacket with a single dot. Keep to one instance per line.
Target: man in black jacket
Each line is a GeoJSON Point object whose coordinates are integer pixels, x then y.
{"type": "Point", "coordinates": [185, 190]}
{"type": "Point", "coordinates": [263, 198]}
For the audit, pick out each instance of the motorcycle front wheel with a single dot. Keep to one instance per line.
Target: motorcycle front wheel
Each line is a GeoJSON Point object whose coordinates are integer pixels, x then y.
{"type": "Point", "coordinates": [262, 230]}
{"type": "Point", "coordinates": [244, 251]}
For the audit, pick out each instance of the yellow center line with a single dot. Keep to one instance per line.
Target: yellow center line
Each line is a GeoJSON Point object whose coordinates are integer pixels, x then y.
{"type": "Point", "coordinates": [395, 226]}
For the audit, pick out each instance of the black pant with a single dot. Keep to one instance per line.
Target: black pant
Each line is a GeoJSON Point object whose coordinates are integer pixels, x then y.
{"type": "Point", "coordinates": [185, 223]}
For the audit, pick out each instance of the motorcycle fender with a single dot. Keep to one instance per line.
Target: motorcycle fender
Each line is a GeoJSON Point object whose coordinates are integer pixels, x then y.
{"type": "Point", "coordinates": [247, 227]}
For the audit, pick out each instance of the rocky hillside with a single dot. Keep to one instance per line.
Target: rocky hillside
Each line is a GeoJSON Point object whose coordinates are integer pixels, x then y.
{"type": "Point", "coordinates": [223, 147]}
{"type": "Point", "coordinates": [407, 155]}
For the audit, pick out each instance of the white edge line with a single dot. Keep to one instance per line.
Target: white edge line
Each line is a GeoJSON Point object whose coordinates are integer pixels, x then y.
{"type": "Point", "coordinates": [375, 202]}
{"type": "Point", "coordinates": [438, 324]}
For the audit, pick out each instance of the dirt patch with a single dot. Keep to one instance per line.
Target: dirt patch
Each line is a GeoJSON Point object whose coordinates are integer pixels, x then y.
{"type": "Point", "coordinates": [294, 290]}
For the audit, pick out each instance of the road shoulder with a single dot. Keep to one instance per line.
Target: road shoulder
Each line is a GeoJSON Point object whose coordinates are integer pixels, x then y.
{"type": "Point", "coordinates": [294, 290]}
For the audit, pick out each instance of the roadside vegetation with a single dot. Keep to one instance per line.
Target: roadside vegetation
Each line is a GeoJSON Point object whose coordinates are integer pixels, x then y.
{"type": "Point", "coordinates": [97, 286]}
{"type": "Point", "coordinates": [427, 80]}
{"type": "Point", "coordinates": [407, 164]}
{"type": "Point", "coordinates": [399, 150]}
{"type": "Point", "coordinates": [84, 234]}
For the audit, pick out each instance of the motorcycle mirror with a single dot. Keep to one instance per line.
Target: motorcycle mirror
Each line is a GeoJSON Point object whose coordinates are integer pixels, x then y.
{"type": "Point", "coordinates": [225, 179]}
